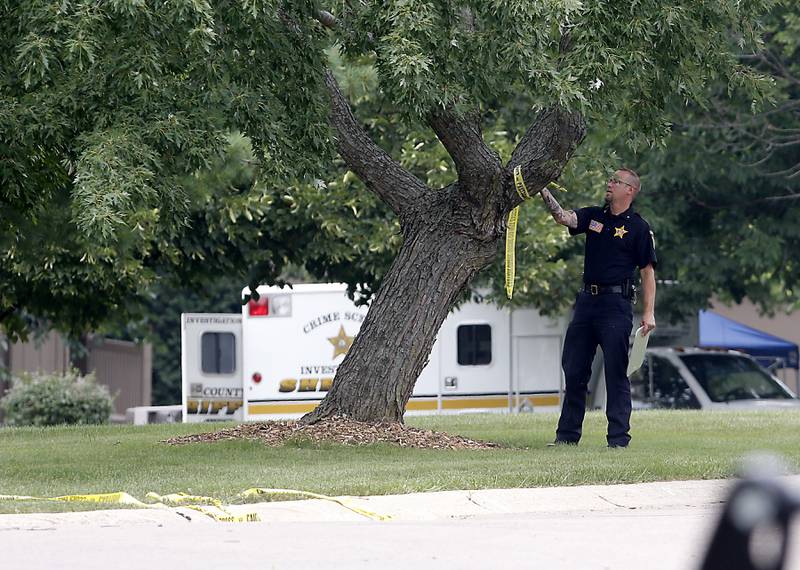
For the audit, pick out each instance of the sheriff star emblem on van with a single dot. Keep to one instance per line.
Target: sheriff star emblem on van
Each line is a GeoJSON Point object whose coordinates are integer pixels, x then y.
{"type": "Point", "coordinates": [620, 232]}
{"type": "Point", "coordinates": [341, 342]}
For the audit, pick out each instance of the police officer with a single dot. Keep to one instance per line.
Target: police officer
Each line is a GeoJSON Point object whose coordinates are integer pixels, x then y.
{"type": "Point", "coordinates": [618, 241]}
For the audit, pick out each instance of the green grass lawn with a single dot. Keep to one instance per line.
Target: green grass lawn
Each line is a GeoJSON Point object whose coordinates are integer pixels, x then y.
{"type": "Point", "coordinates": [666, 446]}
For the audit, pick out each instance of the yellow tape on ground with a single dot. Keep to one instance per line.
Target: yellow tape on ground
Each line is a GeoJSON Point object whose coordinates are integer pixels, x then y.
{"type": "Point", "coordinates": [221, 515]}
{"type": "Point", "coordinates": [119, 498]}
{"type": "Point", "coordinates": [212, 508]}
{"type": "Point", "coordinates": [208, 506]}
{"type": "Point", "coordinates": [181, 498]}
{"type": "Point", "coordinates": [216, 511]}
{"type": "Point", "coordinates": [260, 491]}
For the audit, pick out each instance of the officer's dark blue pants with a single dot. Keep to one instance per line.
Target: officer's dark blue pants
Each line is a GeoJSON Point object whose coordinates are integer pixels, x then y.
{"type": "Point", "coordinates": [604, 320]}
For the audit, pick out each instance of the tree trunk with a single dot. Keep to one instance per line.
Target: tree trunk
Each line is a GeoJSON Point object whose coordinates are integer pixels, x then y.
{"type": "Point", "coordinates": [441, 252]}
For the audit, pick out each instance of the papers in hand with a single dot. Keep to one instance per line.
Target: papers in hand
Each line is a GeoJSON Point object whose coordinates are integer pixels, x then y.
{"type": "Point", "coordinates": [636, 358]}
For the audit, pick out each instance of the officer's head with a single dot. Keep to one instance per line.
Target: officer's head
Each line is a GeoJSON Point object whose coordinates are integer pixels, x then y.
{"type": "Point", "coordinates": [622, 187]}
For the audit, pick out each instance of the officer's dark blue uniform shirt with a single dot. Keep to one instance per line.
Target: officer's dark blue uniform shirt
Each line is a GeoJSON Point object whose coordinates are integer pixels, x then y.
{"type": "Point", "coordinates": [615, 245]}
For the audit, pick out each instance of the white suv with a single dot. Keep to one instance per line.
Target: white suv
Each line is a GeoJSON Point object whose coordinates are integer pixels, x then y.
{"type": "Point", "coordinates": [706, 379]}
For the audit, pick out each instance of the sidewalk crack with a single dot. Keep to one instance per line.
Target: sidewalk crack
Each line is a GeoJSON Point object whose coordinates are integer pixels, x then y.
{"type": "Point", "coordinates": [474, 502]}
{"type": "Point", "coordinates": [616, 504]}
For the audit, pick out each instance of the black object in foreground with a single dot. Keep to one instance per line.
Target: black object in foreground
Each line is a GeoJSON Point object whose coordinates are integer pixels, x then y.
{"type": "Point", "coordinates": [753, 532]}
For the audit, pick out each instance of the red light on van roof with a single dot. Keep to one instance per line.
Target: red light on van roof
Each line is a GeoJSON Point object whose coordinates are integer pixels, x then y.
{"type": "Point", "coordinates": [258, 308]}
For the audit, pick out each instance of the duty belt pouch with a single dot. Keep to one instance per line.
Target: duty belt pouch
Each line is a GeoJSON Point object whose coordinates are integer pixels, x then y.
{"type": "Point", "coordinates": [629, 290]}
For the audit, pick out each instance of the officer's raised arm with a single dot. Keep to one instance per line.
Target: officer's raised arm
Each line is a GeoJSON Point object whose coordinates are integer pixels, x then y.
{"type": "Point", "coordinates": [648, 275]}
{"type": "Point", "coordinates": [564, 217]}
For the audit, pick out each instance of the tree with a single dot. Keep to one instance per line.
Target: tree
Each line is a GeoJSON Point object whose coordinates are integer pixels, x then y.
{"type": "Point", "coordinates": [180, 75]}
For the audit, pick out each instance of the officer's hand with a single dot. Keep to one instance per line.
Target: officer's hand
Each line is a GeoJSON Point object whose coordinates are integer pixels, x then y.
{"type": "Point", "coordinates": [648, 324]}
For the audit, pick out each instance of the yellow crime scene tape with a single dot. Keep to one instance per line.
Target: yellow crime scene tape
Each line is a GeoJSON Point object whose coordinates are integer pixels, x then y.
{"type": "Point", "coordinates": [213, 507]}
{"type": "Point", "coordinates": [511, 232]}
{"type": "Point", "coordinates": [208, 506]}
{"type": "Point", "coordinates": [116, 498]}
{"type": "Point", "coordinates": [259, 491]}
{"type": "Point", "coordinates": [215, 510]}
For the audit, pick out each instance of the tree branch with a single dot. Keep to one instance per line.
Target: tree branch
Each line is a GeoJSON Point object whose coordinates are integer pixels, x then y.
{"type": "Point", "coordinates": [379, 171]}
{"type": "Point", "coordinates": [545, 148]}
{"type": "Point", "coordinates": [326, 19]}
{"type": "Point", "coordinates": [476, 164]}
{"type": "Point", "coordinates": [791, 172]}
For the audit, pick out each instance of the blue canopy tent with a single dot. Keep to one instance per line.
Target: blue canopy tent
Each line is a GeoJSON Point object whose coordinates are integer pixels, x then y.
{"type": "Point", "coordinates": [720, 332]}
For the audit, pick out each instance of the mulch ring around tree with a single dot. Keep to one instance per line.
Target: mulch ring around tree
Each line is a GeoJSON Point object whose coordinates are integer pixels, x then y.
{"type": "Point", "coordinates": [339, 430]}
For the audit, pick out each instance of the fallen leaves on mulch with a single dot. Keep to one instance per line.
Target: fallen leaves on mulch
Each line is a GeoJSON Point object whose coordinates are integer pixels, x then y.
{"type": "Point", "coordinates": [340, 430]}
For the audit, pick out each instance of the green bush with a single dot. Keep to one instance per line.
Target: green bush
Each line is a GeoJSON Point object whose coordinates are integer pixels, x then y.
{"type": "Point", "coordinates": [55, 399]}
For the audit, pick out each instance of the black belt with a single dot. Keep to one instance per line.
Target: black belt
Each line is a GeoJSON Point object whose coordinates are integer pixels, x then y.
{"type": "Point", "coordinates": [601, 289]}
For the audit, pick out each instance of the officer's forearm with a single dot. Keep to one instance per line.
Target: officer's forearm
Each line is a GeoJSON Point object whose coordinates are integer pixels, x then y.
{"type": "Point", "coordinates": [648, 290]}
{"type": "Point", "coordinates": [565, 218]}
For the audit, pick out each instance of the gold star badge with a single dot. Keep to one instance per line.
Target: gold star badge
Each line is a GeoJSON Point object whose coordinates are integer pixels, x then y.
{"type": "Point", "coordinates": [341, 342]}
{"type": "Point", "coordinates": [620, 232]}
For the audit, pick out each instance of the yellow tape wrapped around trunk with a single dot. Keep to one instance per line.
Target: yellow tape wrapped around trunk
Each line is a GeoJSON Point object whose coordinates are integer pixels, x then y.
{"type": "Point", "coordinates": [511, 231]}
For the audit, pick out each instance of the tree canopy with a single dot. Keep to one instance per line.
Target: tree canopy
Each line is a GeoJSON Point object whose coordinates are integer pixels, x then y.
{"type": "Point", "coordinates": [106, 108]}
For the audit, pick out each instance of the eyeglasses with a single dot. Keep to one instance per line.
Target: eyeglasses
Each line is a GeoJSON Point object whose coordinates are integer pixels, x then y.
{"type": "Point", "coordinates": [616, 180]}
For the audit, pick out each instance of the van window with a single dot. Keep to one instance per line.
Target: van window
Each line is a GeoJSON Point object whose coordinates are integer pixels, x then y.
{"type": "Point", "coordinates": [659, 383]}
{"type": "Point", "coordinates": [727, 377]}
{"type": "Point", "coordinates": [218, 352]}
{"type": "Point", "coordinates": [474, 345]}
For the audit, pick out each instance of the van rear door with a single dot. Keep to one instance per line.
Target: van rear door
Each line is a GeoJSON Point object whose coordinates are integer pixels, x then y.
{"type": "Point", "coordinates": [211, 367]}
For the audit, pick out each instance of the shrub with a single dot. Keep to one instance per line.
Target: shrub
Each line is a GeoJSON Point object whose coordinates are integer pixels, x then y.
{"type": "Point", "coordinates": [55, 399]}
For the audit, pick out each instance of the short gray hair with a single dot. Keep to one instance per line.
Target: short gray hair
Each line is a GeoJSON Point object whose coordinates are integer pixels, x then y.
{"type": "Point", "coordinates": [634, 176]}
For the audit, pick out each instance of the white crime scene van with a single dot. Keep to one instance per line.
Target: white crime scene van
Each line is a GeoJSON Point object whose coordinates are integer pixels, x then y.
{"type": "Point", "coordinates": [278, 358]}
